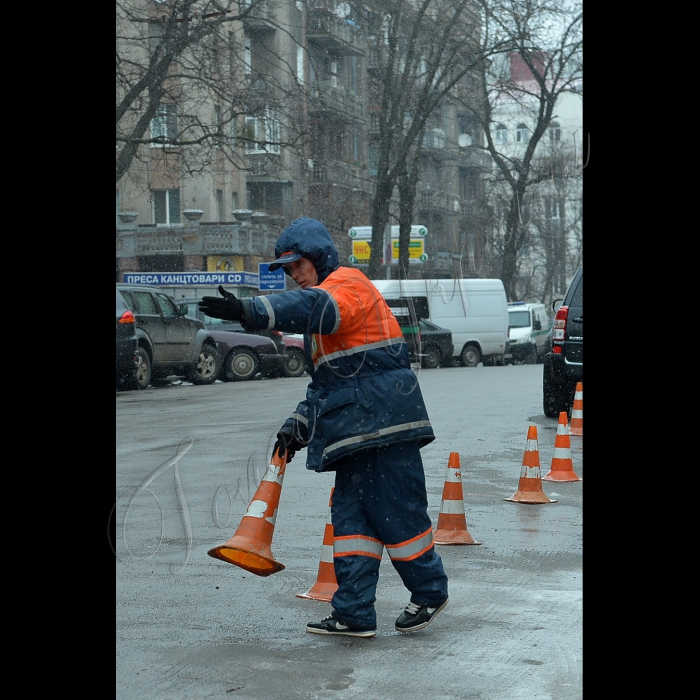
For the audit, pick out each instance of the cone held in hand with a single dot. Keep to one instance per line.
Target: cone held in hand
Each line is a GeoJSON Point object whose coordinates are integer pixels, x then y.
{"type": "Point", "coordinates": [326, 583]}
{"type": "Point", "coordinates": [249, 547]}
{"type": "Point", "coordinates": [530, 484]}
{"type": "Point", "coordinates": [576, 426]}
{"type": "Point", "coordinates": [562, 468]}
{"type": "Point", "coordinates": [452, 522]}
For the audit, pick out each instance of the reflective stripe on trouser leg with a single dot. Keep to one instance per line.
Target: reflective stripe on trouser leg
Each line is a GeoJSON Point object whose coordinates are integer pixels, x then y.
{"type": "Point", "coordinates": [380, 495]}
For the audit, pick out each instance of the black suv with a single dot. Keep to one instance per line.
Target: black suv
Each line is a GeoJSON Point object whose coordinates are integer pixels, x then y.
{"type": "Point", "coordinates": [563, 360]}
{"type": "Point", "coordinates": [155, 339]}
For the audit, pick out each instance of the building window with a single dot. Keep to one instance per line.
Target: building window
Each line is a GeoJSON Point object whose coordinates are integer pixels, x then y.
{"type": "Point", "coordinates": [247, 56]}
{"type": "Point", "coordinates": [262, 134]}
{"type": "Point", "coordinates": [166, 206]}
{"type": "Point", "coordinates": [164, 125]}
{"type": "Point", "coordinates": [300, 65]}
{"type": "Point", "coordinates": [554, 132]}
{"type": "Point", "coordinates": [501, 133]}
{"type": "Point", "coordinates": [271, 197]}
{"type": "Point", "coordinates": [234, 201]}
{"type": "Point", "coordinates": [554, 208]}
{"type": "Point", "coordinates": [220, 216]}
{"type": "Point", "coordinates": [522, 133]}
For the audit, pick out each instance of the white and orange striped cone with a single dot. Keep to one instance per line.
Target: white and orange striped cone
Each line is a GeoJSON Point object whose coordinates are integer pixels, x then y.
{"type": "Point", "coordinates": [576, 426]}
{"type": "Point", "coordinates": [452, 522]}
{"type": "Point", "coordinates": [326, 583]}
{"type": "Point", "coordinates": [562, 468]}
{"type": "Point", "coordinates": [250, 546]}
{"type": "Point", "coordinates": [530, 484]}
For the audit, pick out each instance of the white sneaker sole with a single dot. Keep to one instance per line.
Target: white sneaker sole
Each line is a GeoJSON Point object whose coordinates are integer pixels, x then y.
{"type": "Point", "coordinates": [344, 633]}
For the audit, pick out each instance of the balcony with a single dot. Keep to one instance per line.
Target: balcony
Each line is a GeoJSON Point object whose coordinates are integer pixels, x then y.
{"type": "Point", "coordinates": [260, 18]}
{"type": "Point", "coordinates": [264, 167]}
{"type": "Point", "coordinates": [203, 239]}
{"type": "Point", "coordinates": [336, 101]}
{"type": "Point", "coordinates": [438, 202]}
{"type": "Point", "coordinates": [477, 214]}
{"type": "Point", "coordinates": [331, 33]}
{"type": "Point", "coordinates": [473, 158]}
{"type": "Point", "coordinates": [334, 172]}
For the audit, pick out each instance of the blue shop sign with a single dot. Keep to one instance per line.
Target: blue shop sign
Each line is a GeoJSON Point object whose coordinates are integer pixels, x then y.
{"type": "Point", "coordinates": [170, 279]}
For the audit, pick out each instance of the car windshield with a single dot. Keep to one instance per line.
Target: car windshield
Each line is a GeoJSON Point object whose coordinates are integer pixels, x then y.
{"type": "Point", "coordinates": [519, 319]}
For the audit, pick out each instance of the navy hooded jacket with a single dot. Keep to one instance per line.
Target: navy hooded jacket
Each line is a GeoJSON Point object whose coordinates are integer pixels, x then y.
{"type": "Point", "coordinates": [363, 393]}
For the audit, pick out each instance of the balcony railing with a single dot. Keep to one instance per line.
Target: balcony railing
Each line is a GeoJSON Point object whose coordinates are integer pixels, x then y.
{"type": "Point", "coordinates": [219, 239]}
{"type": "Point", "coordinates": [330, 32]}
{"type": "Point", "coordinates": [336, 100]}
{"type": "Point", "coordinates": [475, 159]}
{"type": "Point", "coordinates": [339, 173]}
{"type": "Point", "coordinates": [441, 202]}
{"type": "Point", "coordinates": [260, 18]}
{"type": "Point", "coordinates": [265, 166]}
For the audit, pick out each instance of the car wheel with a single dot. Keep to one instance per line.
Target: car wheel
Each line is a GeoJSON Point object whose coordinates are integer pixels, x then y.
{"type": "Point", "coordinates": [470, 356]}
{"type": "Point", "coordinates": [554, 396]}
{"type": "Point", "coordinates": [433, 357]}
{"type": "Point", "coordinates": [208, 366]}
{"type": "Point", "coordinates": [294, 363]}
{"type": "Point", "coordinates": [241, 364]}
{"type": "Point", "coordinates": [140, 376]}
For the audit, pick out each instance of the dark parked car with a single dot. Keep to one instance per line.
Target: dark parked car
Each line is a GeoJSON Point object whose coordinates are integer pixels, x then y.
{"type": "Point", "coordinates": [563, 360]}
{"type": "Point", "coordinates": [428, 343]}
{"type": "Point", "coordinates": [435, 343]}
{"type": "Point", "coordinates": [246, 355]}
{"type": "Point", "coordinates": [295, 360]}
{"type": "Point", "coordinates": [168, 343]}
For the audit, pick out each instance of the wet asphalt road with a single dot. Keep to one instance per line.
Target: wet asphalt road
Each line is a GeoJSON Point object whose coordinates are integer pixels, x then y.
{"type": "Point", "coordinates": [189, 626]}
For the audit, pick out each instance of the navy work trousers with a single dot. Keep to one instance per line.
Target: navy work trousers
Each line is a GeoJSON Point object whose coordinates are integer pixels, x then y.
{"type": "Point", "coordinates": [380, 494]}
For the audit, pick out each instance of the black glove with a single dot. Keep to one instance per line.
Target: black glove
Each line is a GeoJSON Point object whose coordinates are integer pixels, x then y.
{"type": "Point", "coordinates": [229, 308]}
{"type": "Point", "coordinates": [287, 441]}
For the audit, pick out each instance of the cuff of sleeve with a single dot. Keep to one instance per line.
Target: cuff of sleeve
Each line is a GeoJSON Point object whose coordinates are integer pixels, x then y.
{"type": "Point", "coordinates": [247, 320]}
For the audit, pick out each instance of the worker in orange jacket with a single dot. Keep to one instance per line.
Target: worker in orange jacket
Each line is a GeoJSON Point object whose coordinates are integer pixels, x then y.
{"type": "Point", "coordinates": [363, 417]}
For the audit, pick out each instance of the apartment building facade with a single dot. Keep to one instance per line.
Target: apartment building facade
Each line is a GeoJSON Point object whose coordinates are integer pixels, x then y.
{"type": "Point", "coordinates": [553, 208]}
{"type": "Point", "coordinates": [303, 142]}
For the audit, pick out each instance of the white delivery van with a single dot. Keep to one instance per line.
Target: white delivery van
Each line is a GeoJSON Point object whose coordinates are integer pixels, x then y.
{"type": "Point", "coordinates": [475, 310]}
{"type": "Point", "coordinates": [527, 331]}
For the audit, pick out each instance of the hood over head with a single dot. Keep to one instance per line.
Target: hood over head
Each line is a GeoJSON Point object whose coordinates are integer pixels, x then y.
{"type": "Point", "coordinates": [307, 238]}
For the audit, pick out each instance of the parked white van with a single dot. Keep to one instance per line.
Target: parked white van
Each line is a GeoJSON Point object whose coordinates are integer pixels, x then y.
{"type": "Point", "coordinates": [475, 310]}
{"type": "Point", "coordinates": [527, 332]}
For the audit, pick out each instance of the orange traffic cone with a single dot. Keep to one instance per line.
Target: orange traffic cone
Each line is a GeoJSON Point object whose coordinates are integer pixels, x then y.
{"type": "Point", "coordinates": [530, 484]}
{"type": "Point", "coordinates": [452, 522]}
{"type": "Point", "coordinates": [249, 547]}
{"type": "Point", "coordinates": [326, 583]}
{"type": "Point", "coordinates": [576, 427]}
{"type": "Point", "coordinates": [562, 468]}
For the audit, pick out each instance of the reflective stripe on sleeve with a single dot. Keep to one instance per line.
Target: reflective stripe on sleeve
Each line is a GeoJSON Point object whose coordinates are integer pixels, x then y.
{"type": "Point", "coordinates": [357, 545]}
{"type": "Point", "coordinates": [373, 436]}
{"type": "Point", "coordinates": [270, 311]}
{"type": "Point", "coordinates": [336, 325]}
{"type": "Point", "coordinates": [301, 419]}
{"type": "Point", "coordinates": [411, 549]}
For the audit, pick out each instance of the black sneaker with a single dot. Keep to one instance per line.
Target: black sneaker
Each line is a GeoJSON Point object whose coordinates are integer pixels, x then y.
{"type": "Point", "coordinates": [330, 625]}
{"type": "Point", "coordinates": [416, 617]}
